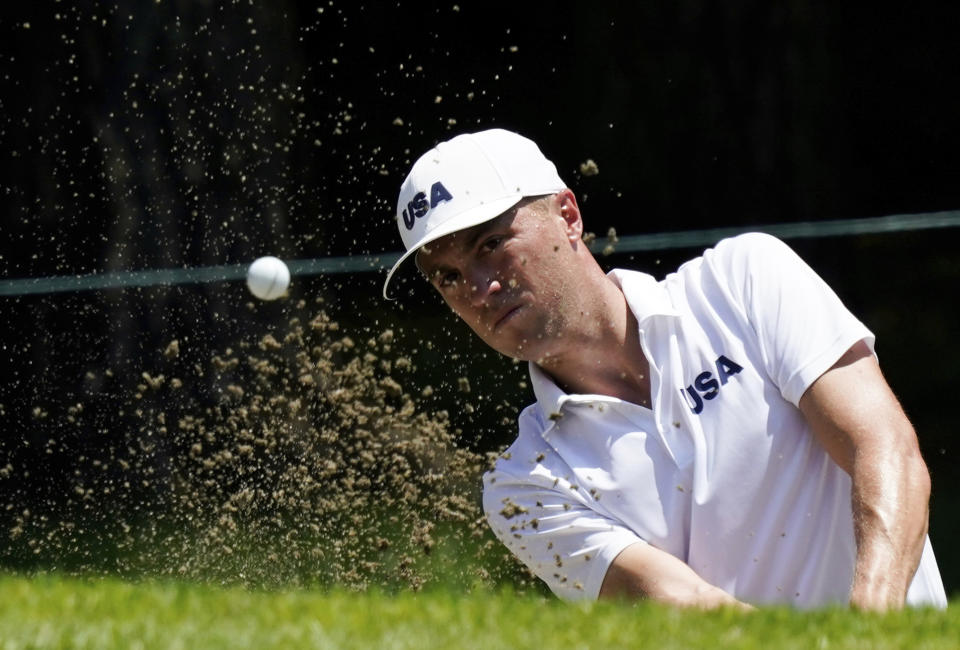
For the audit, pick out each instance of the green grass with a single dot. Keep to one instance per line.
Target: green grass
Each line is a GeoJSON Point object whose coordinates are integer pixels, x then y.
{"type": "Point", "coordinates": [55, 612]}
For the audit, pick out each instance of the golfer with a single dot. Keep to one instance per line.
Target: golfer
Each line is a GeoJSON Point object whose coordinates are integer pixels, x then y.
{"type": "Point", "coordinates": [721, 437]}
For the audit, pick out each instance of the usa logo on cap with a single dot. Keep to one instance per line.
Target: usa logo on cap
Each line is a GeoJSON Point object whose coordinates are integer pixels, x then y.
{"type": "Point", "coordinates": [419, 206]}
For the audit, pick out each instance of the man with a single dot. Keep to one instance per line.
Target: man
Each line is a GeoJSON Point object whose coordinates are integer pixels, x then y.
{"type": "Point", "coordinates": [722, 437]}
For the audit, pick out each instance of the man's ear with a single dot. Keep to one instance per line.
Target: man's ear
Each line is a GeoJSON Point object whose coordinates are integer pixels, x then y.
{"type": "Point", "coordinates": [570, 212]}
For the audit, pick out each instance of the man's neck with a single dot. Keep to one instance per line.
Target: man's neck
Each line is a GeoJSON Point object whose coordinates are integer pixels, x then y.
{"type": "Point", "coordinates": [603, 355]}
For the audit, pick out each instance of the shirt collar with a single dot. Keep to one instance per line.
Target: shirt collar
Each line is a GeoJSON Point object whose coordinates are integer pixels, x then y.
{"type": "Point", "coordinates": [646, 298]}
{"type": "Point", "coordinates": [551, 397]}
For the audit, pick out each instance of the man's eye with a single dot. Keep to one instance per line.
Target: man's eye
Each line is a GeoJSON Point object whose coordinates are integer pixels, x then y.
{"type": "Point", "coordinates": [447, 279]}
{"type": "Point", "coordinates": [492, 243]}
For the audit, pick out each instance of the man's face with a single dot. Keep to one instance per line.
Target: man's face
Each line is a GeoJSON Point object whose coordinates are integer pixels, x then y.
{"type": "Point", "coordinates": [510, 278]}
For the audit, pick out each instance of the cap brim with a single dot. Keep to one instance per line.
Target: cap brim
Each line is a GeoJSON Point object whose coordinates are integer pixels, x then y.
{"type": "Point", "coordinates": [470, 218]}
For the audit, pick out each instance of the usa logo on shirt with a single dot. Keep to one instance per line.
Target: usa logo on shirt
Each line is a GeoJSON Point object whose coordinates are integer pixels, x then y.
{"type": "Point", "coordinates": [706, 387]}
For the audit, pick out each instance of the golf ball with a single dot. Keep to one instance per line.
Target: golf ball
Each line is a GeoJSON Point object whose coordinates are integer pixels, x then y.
{"type": "Point", "coordinates": [268, 278]}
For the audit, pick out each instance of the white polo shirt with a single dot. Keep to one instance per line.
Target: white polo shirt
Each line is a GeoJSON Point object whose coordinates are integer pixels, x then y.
{"type": "Point", "coordinates": [723, 472]}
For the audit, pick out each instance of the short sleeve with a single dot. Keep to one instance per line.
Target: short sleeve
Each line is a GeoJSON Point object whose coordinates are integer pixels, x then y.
{"type": "Point", "coordinates": [801, 326]}
{"type": "Point", "coordinates": [559, 538]}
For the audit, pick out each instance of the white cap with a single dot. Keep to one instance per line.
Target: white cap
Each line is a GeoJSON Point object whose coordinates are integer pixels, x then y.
{"type": "Point", "coordinates": [465, 181]}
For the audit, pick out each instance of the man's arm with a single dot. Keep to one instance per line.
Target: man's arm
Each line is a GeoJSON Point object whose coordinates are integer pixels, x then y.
{"type": "Point", "coordinates": [642, 571]}
{"type": "Point", "coordinates": [856, 417]}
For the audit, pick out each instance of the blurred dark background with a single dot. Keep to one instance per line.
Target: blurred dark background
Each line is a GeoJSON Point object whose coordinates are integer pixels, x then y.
{"type": "Point", "coordinates": [149, 134]}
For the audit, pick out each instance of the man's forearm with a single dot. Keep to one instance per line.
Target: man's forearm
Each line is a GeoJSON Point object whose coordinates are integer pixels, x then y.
{"type": "Point", "coordinates": [860, 423]}
{"type": "Point", "coordinates": [891, 491]}
{"type": "Point", "coordinates": [641, 571]}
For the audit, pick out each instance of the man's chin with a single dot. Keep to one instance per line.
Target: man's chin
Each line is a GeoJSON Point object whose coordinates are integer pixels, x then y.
{"type": "Point", "coordinates": [517, 351]}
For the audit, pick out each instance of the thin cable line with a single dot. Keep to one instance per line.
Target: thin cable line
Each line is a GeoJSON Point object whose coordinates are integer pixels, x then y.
{"type": "Point", "coordinates": [365, 263]}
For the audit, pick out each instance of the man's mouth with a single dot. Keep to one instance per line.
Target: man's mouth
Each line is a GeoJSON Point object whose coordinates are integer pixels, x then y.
{"type": "Point", "coordinates": [505, 316]}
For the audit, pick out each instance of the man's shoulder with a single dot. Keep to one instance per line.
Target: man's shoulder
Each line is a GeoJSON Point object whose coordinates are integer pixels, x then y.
{"type": "Point", "coordinates": [741, 249]}
{"type": "Point", "coordinates": [741, 253]}
{"type": "Point", "coordinates": [731, 261]}
{"type": "Point", "coordinates": [753, 239]}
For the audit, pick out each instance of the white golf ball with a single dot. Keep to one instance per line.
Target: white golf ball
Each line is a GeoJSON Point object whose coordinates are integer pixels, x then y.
{"type": "Point", "coordinates": [268, 278]}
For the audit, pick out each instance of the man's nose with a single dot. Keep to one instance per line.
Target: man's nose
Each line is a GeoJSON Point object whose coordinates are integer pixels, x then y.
{"type": "Point", "coordinates": [482, 285]}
